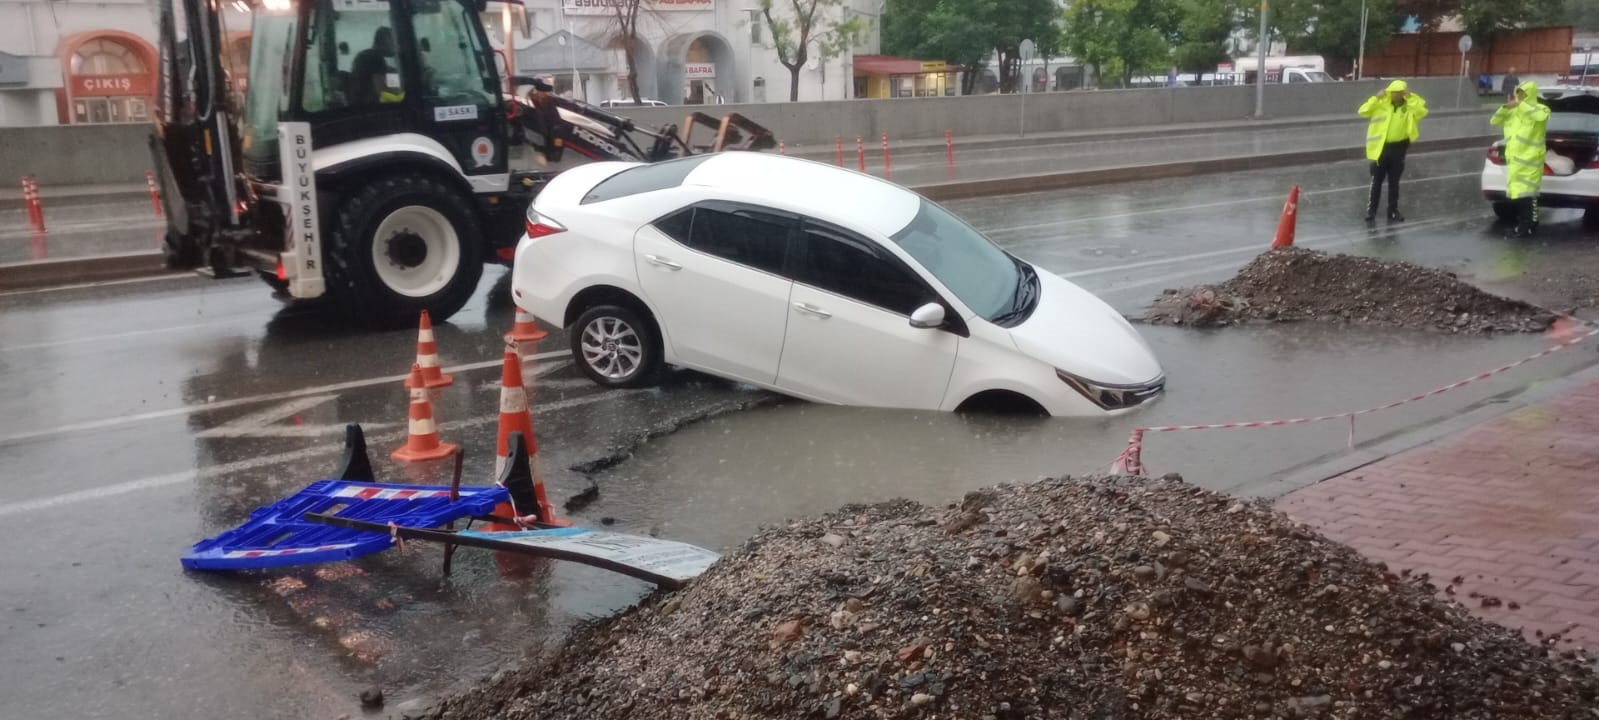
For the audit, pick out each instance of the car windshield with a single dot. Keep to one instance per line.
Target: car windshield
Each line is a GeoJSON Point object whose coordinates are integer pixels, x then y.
{"type": "Point", "coordinates": [980, 274]}
{"type": "Point", "coordinates": [1317, 76]}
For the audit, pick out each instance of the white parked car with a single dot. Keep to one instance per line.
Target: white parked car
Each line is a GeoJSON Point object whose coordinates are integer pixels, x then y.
{"type": "Point", "coordinates": [817, 282]}
{"type": "Point", "coordinates": [1571, 165]}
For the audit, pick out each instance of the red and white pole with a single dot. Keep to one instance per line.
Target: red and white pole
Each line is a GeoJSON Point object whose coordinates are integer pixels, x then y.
{"type": "Point", "coordinates": [155, 197]}
{"type": "Point", "coordinates": [838, 145]}
{"type": "Point", "coordinates": [860, 153]}
{"type": "Point", "coordinates": [30, 197]}
{"type": "Point", "coordinates": [888, 164]}
{"type": "Point", "coordinates": [949, 155]}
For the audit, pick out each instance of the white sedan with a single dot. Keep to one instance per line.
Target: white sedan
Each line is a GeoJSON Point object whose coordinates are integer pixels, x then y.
{"type": "Point", "coordinates": [817, 282]}
{"type": "Point", "coordinates": [1571, 165]}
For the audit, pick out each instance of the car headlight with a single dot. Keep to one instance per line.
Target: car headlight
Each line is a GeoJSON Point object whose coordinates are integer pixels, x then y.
{"type": "Point", "coordinates": [1113, 396]}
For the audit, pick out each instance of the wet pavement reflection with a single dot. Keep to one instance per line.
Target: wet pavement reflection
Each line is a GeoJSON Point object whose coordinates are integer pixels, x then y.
{"type": "Point", "coordinates": [139, 422]}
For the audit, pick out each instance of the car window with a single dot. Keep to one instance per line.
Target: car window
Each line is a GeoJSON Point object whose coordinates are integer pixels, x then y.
{"type": "Point", "coordinates": [644, 178]}
{"type": "Point", "coordinates": [856, 268]}
{"type": "Point", "coordinates": [743, 235]}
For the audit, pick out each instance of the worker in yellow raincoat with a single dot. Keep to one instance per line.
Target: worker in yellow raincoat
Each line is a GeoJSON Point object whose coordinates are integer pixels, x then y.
{"type": "Point", "coordinates": [1523, 117]}
{"type": "Point", "coordinates": [1395, 115]}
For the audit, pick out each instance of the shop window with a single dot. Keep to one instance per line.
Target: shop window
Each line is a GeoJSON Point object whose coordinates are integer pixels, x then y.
{"type": "Point", "coordinates": [106, 57]}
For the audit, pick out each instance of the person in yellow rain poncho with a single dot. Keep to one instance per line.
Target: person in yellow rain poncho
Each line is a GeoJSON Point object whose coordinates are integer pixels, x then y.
{"type": "Point", "coordinates": [1395, 115]}
{"type": "Point", "coordinates": [1523, 118]}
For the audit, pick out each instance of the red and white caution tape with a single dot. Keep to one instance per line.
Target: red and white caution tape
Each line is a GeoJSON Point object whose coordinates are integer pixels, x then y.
{"type": "Point", "coordinates": [1130, 461]}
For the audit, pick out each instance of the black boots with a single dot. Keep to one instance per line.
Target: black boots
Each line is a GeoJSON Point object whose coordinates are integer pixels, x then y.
{"type": "Point", "coordinates": [1394, 216]}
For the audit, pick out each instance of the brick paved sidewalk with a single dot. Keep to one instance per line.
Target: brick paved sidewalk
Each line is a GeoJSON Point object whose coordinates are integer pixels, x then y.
{"type": "Point", "coordinates": [1510, 506]}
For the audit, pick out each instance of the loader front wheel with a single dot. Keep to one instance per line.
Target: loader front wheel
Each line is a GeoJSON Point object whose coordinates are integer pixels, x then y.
{"type": "Point", "coordinates": [403, 244]}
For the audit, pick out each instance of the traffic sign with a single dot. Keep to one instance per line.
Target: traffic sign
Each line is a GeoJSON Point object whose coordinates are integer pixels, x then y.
{"type": "Point", "coordinates": [1465, 44]}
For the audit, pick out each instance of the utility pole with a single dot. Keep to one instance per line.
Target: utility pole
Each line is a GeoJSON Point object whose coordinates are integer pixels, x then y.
{"type": "Point", "coordinates": [1360, 63]}
{"type": "Point", "coordinates": [1260, 70]}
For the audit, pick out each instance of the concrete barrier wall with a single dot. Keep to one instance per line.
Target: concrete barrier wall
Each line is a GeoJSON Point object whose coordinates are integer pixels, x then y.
{"type": "Point", "coordinates": [111, 154]}
{"type": "Point", "coordinates": [804, 124]}
{"type": "Point", "coordinates": [75, 154]}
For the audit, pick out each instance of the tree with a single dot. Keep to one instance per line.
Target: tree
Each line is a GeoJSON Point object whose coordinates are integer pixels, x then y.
{"type": "Point", "coordinates": [955, 31]}
{"type": "Point", "coordinates": [967, 32]}
{"type": "Point", "coordinates": [1331, 28]}
{"type": "Point", "coordinates": [806, 24]}
{"type": "Point", "coordinates": [1582, 14]}
{"type": "Point", "coordinates": [1120, 38]}
{"type": "Point", "coordinates": [1483, 17]}
{"type": "Point", "coordinates": [625, 13]}
{"type": "Point", "coordinates": [1204, 28]}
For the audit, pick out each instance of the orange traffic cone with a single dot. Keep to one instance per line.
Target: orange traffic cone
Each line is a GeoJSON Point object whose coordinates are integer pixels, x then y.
{"type": "Point", "coordinates": [524, 329]}
{"type": "Point", "coordinates": [422, 442]}
{"type": "Point", "coordinates": [515, 418]}
{"type": "Point", "coordinates": [1285, 226]}
{"type": "Point", "coordinates": [427, 358]}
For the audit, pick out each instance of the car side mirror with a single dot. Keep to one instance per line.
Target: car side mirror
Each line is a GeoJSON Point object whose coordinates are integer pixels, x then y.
{"type": "Point", "coordinates": [928, 316]}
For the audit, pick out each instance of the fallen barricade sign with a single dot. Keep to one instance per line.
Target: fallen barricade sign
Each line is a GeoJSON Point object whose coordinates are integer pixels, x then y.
{"type": "Point", "coordinates": [352, 515]}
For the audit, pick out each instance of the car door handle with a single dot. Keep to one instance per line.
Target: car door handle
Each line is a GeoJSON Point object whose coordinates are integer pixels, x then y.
{"type": "Point", "coordinates": [659, 261]}
{"type": "Point", "coordinates": [810, 309]}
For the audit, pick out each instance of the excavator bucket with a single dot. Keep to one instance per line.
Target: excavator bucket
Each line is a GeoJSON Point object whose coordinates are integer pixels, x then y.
{"type": "Point", "coordinates": [733, 132]}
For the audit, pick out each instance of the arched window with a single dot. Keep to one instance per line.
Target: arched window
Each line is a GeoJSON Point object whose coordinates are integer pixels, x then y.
{"type": "Point", "coordinates": [105, 56]}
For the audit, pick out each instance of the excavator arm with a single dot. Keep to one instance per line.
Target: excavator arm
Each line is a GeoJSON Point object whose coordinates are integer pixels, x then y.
{"type": "Point", "coordinates": [196, 139]}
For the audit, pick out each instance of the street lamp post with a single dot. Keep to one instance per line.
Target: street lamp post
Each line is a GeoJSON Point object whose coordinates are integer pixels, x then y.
{"type": "Point", "coordinates": [1260, 69]}
{"type": "Point", "coordinates": [1586, 61]}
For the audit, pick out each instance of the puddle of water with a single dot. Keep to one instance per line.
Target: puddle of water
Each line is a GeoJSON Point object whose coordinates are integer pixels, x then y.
{"type": "Point", "coordinates": [714, 483]}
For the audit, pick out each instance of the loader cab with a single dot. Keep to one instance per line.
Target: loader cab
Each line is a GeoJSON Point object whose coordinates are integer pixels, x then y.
{"type": "Point", "coordinates": [376, 78]}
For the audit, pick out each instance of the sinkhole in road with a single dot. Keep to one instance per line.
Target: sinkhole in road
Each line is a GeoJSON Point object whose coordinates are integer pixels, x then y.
{"type": "Point", "coordinates": [715, 482]}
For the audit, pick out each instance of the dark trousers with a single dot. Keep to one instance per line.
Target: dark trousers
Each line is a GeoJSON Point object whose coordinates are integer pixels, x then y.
{"type": "Point", "coordinates": [1526, 214]}
{"type": "Point", "coordinates": [1389, 166]}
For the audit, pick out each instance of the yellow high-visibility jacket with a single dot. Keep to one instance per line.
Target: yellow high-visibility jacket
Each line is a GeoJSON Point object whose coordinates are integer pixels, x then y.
{"type": "Point", "coordinates": [1381, 112]}
{"type": "Point", "coordinates": [1524, 142]}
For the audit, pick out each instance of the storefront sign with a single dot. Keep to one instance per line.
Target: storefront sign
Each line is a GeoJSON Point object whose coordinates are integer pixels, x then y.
{"type": "Point", "coordinates": [111, 85]}
{"type": "Point", "coordinates": [699, 71]}
{"type": "Point", "coordinates": [608, 7]}
{"type": "Point", "coordinates": [934, 66]}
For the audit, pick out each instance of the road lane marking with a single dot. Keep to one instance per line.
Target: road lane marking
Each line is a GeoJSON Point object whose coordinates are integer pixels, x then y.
{"type": "Point", "coordinates": [1325, 241]}
{"type": "Point", "coordinates": [1203, 206]}
{"type": "Point", "coordinates": [116, 336]}
{"type": "Point", "coordinates": [159, 481]}
{"type": "Point", "coordinates": [1257, 247]}
{"type": "Point", "coordinates": [101, 283]}
{"type": "Point", "coordinates": [239, 402]}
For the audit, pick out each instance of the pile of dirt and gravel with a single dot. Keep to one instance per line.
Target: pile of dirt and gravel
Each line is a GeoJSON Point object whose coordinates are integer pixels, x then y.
{"type": "Point", "coordinates": [1292, 284]}
{"type": "Point", "coordinates": [1102, 598]}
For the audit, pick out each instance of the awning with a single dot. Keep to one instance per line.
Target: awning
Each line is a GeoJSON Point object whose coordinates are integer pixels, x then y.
{"type": "Point", "coordinates": [890, 65]}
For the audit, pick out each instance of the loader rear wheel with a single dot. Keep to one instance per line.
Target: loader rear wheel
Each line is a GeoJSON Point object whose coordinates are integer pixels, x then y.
{"type": "Point", "coordinates": [401, 245]}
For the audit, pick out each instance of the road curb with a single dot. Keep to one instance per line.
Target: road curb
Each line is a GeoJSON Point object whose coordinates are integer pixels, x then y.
{"type": "Point", "coordinates": [1161, 171]}
{"type": "Point", "coordinates": [1279, 484]}
{"type": "Point", "coordinates": [930, 146]}
{"type": "Point", "coordinates": [33, 275]}
{"type": "Point", "coordinates": [75, 199]}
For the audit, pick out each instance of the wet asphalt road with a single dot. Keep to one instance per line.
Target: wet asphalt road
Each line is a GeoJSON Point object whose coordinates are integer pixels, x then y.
{"type": "Point", "coordinates": [144, 416]}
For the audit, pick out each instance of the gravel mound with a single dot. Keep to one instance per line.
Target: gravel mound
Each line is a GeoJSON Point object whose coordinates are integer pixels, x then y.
{"type": "Point", "coordinates": [1297, 284]}
{"type": "Point", "coordinates": [1103, 598]}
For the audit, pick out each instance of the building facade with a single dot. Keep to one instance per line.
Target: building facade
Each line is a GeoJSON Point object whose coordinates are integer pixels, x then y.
{"type": "Point", "coordinates": [95, 61]}
{"type": "Point", "coordinates": [687, 51]}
